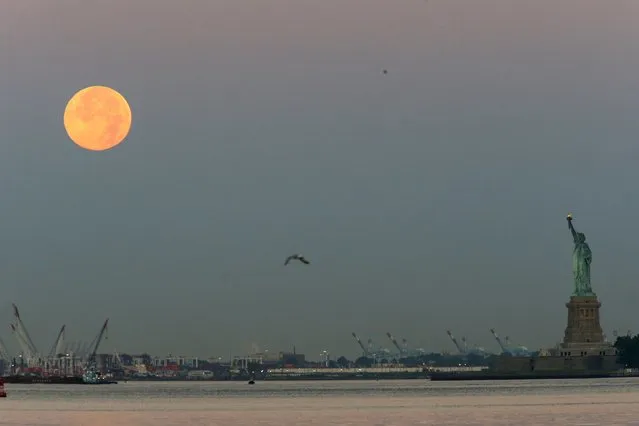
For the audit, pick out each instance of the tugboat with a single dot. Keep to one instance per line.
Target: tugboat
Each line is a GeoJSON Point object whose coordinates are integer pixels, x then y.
{"type": "Point", "coordinates": [92, 377]}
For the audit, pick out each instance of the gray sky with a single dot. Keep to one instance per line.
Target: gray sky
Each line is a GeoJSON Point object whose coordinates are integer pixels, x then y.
{"type": "Point", "coordinates": [430, 198]}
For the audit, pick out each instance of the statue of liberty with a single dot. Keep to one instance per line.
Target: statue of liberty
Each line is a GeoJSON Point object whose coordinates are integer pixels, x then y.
{"type": "Point", "coordinates": [581, 260]}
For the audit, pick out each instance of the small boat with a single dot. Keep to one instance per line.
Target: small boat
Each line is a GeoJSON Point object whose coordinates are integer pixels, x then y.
{"type": "Point", "coordinates": [92, 377]}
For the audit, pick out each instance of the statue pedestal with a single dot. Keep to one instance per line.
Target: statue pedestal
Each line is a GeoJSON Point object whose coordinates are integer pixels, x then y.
{"type": "Point", "coordinates": [583, 327]}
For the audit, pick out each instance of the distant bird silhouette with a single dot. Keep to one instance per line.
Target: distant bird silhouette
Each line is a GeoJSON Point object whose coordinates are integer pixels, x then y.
{"type": "Point", "coordinates": [296, 257]}
{"type": "Point", "coordinates": [384, 71]}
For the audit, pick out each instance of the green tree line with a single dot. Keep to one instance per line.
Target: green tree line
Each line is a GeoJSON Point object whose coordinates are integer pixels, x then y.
{"type": "Point", "coordinates": [628, 351]}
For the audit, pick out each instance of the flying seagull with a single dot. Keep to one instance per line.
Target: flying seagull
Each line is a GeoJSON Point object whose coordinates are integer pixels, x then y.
{"type": "Point", "coordinates": [296, 257]}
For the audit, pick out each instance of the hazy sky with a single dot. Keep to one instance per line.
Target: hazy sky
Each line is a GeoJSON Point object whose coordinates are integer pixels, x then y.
{"type": "Point", "coordinates": [429, 198]}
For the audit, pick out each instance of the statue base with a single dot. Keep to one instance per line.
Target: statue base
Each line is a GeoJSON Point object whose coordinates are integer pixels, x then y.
{"type": "Point", "coordinates": [584, 328]}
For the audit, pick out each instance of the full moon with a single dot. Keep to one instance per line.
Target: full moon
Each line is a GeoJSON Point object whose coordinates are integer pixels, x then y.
{"type": "Point", "coordinates": [97, 118]}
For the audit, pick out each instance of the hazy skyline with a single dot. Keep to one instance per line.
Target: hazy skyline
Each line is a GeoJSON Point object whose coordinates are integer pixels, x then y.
{"type": "Point", "coordinates": [430, 198]}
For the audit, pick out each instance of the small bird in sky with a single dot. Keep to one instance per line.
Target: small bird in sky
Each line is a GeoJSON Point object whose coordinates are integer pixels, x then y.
{"type": "Point", "coordinates": [384, 71]}
{"type": "Point", "coordinates": [296, 257]}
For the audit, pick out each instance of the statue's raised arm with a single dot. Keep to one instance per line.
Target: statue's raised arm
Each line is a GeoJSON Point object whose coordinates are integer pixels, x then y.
{"type": "Point", "coordinates": [572, 228]}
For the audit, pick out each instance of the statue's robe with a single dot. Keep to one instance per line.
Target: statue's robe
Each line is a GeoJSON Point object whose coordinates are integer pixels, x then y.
{"type": "Point", "coordinates": [581, 260]}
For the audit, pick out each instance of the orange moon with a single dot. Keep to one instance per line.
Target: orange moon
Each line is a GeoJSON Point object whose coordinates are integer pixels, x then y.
{"type": "Point", "coordinates": [97, 118]}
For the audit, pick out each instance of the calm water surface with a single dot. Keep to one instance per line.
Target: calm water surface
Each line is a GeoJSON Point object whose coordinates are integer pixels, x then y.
{"type": "Point", "coordinates": [365, 403]}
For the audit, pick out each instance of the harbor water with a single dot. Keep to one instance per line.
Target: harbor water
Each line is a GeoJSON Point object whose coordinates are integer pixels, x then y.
{"type": "Point", "coordinates": [352, 403]}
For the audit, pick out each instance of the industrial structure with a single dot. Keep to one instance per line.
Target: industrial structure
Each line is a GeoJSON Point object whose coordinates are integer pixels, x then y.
{"type": "Point", "coordinates": [464, 349]}
{"type": "Point", "coordinates": [507, 348]}
{"type": "Point", "coordinates": [379, 353]}
{"type": "Point", "coordinates": [65, 358]}
{"type": "Point", "coordinates": [62, 359]}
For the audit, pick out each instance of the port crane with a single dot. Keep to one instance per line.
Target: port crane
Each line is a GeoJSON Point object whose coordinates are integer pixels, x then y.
{"type": "Point", "coordinates": [463, 347]}
{"type": "Point", "coordinates": [95, 344]}
{"type": "Point", "coordinates": [71, 348]}
{"type": "Point", "coordinates": [118, 363]}
{"type": "Point", "coordinates": [405, 345]}
{"type": "Point", "coordinates": [77, 348]}
{"type": "Point", "coordinates": [23, 330]}
{"type": "Point", "coordinates": [507, 348]}
{"type": "Point", "coordinates": [402, 351]}
{"type": "Point", "coordinates": [499, 342]}
{"type": "Point", "coordinates": [57, 349]}
{"type": "Point", "coordinates": [455, 342]}
{"type": "Point", "coordinates": [412, 351]}
{"type": "Point", "coordinates": [516, 350]}
{"type": "Point", "coordinates": [24, 347]}
{"type": "Point", "coordinates": [361, 345]}
{"type": "Point", "coordinates": [22, 335]}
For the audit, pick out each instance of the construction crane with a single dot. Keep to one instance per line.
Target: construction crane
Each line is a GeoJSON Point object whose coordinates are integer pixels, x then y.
{"type": "Point", "coordinates": [27, 355]}
{"type": "Point", "coordinates": [119, 364]}
{"type": "Point", "coordinates": [457, 345]}
{"type": "Point", "coordinates": [402, 351]}
{"type": "Point", "coordinates": [501, 345]}
{"type": "Point", "coordinates": [95, 344]}
{"type": "Point", "coordinates": [58, 345]}
{"type": "Point", "coordinates": [516, 350]}
{"type": "Point", "coordinates": [21, 331]}
{"type": "Point", "coordinates": [361, 345]}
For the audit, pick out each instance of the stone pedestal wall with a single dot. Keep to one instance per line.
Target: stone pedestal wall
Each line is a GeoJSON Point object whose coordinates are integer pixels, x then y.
{"type": "Point", "coordinates": [584, 328]}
